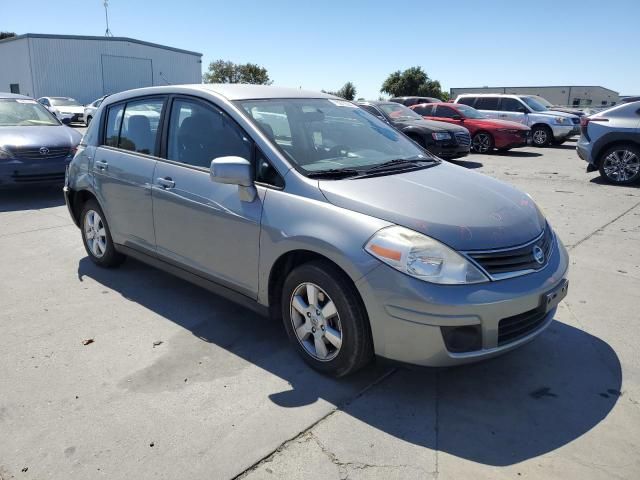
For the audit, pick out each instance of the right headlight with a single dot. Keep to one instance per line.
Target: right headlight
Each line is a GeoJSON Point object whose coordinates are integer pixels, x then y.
{"type": "Point", "coordinates": [422, 257]}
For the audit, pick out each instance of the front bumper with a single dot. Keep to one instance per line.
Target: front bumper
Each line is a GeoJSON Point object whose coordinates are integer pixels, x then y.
{"type": "Point", "coordinates": [16, 172]}
{"type": "Point", "coordinates": [407, 314]}
{"type": "Point", "coordinates": [561, 132]}
{"type": "Point", "coordinates": [448, 150]}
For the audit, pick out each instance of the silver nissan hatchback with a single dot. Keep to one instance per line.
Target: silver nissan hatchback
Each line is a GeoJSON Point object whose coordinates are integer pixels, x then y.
{"type": "Point", "coordinates": [308, 208]}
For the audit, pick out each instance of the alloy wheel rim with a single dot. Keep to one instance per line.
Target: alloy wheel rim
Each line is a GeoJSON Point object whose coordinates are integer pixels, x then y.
{"type": "Point", "coordinates": [481, 143]}
{"type": "Point", "coordinates": [95, 233]}
{"type": "Point", "coordinates": [539, 137]}
{"type": "Point", "coordinates": [621, 165]}
{"type": "Point", "coordinates": [316, 322]}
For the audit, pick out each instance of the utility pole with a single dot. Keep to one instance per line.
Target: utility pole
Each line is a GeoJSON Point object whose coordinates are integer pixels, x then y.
{"type": "Point", "coordinates": [107, 32]}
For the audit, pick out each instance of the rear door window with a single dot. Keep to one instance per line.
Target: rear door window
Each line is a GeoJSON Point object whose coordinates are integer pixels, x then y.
{"type": "Point", "coordinates": [487, 103]}
{"type": "Point", "coordinates": [445, 112]}
{"type": "Point", "coordinates": [139, 130]}
{"type": "Point", "coordinates": [467, 101]}
{"type": "Point", "coordinates": [424, 110]}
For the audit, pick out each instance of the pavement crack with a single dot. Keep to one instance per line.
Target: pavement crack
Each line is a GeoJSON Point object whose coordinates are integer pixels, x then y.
{"type": "Point", "coordinates": [302, 436]}
{"type": "Point", "coordinates": [601, 228]}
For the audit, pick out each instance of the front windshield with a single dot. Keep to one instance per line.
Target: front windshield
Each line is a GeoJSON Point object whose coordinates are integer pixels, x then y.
{"type": "Point", "coordinates": [326, 134]}
{"type": "Point", "coordinates": [543, 101]}
{"type": "Point", "coordinates": [64, 102]}
{"type": "Point", "coordinates": [534, 104]}
{"type": "Point", "coordinates": [469, 112]}
{"type": "Point", "coordinates": [19, 112]}
{"type": "Point", "coordinates": [399, 112]}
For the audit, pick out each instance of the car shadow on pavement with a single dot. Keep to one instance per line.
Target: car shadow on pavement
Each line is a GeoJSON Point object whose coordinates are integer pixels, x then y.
{"type": "Point", "coordinates": [467, 163]}
{"type": "Point", "coordinates": [518, 154]}
{"type": "Point", "coordinates": [601, 181]}
{"type": "Point", "coordinates": [499, 412]}
{"type": "Point", "coordinates": [30, 198]}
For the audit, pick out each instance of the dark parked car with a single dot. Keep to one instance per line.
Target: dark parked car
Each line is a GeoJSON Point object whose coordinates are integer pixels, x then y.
{"type": "Point", "coordinates": [610, 143]}
{"type": "Point", "coordinates": [440, 138]}
{"type": "Point", "coordinates": [409, 101]}
{"type": "Point", "coordinates": [486, 133]}
{"type": "Point", "coordinates": [34, 146]}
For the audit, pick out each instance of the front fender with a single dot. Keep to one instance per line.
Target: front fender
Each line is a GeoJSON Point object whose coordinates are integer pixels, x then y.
{"type": "Point", "coordinates": [291, 222]}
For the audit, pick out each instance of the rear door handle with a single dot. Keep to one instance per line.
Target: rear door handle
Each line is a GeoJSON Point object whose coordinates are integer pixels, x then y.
{"type": "Point", "coordinates": [166, 182]}
{"type": "Point", "coordinates": [102, 164]}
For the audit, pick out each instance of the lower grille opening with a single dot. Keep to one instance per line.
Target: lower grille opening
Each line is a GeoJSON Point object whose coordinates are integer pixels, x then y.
{"type": "Point", "coordinates": [513, 328]}
{"type": "Point", "coordinates": [462, 339]}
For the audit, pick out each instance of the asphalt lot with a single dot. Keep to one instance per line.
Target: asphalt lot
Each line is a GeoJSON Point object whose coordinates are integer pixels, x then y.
{"type": "Point", "coordinates": [223, 394]}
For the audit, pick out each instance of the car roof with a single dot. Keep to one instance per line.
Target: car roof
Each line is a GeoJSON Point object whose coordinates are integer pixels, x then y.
{"type": "Point", "coordinates": [230, 91]}
{"type": "Point", "coordinates": [14, 95]}
{"type": "Point", "coordinates": [378, 102]}
{"type": "Point", "coordinates": [506, 95]}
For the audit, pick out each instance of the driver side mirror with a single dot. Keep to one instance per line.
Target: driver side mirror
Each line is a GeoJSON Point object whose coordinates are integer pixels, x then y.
{"type": "Point", "coordinates": [457, 117]}
{"type": "Point", "coordinates": [66, 121]}
{"type": "Point", "coordinates": [523, 110]}
{"type": "Point", "coordinates": [234, 171]}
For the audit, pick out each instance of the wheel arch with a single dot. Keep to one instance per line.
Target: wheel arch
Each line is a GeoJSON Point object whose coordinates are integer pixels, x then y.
{"type": "Point", "coordinates": [608, 143]}
{"type": "Point", "coordinates": [77, 200]}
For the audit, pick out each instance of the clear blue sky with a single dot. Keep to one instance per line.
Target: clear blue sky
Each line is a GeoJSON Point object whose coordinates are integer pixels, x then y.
{"type": "Point", "coordinates": [325, 43]}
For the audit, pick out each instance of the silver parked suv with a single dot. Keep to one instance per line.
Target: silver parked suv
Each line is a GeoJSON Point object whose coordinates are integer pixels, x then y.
{"type": "Point", "coordinates": [309, 208]}
{"type": "Point", "coordinates": [547, 126]}
{"type": "Point", "coordinates": [610, 143]}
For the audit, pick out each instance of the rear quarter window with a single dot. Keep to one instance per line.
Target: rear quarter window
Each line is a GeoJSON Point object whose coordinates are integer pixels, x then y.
{"type": "Point", "coordinates": [487, 103]}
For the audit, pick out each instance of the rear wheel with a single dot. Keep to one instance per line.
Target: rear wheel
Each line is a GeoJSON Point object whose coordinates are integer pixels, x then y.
{"type": "Point", "coordinates": [482, 142]}
{"type": "Point", "coordinates": [541, 136]}
{"type": "Point", "coordinates": [325, 320]}
{"type": "Point", "coordinates": [620, 164]}
{"type": "Point", "coordinates": [96, 236]}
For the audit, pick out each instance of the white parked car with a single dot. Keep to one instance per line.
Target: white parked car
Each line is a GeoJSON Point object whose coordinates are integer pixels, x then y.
{"type": "Point", "coordinates": [90, 110]}
{"type": "Point", "coordinates": [64, 108]}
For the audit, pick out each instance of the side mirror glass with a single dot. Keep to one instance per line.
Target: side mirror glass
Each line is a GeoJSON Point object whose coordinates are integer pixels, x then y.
{"type": "Point", "coordinates": [234, 171]}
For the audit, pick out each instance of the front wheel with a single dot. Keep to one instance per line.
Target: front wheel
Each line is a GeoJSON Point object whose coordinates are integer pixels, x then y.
{"type": "Point", "coordinates": [96, 236]}
{"type": "Point", "coordinates": [541, 136]}
{"type": "Point", "coordinates": [325, 320]}
{"type": "Point", "coordinates": [621, 164]}
{"type": "Point", "coordinates": [482, 142]}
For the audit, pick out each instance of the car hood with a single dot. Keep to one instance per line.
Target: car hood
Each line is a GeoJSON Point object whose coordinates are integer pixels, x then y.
{"type": "Point", "coordinates": [72, 109]}
{"type": "Point", "coordinates": [53, 136]}
{"type": "Point", "coordinates": [489, 123]}
{"type": "Point", "coordinates": [571, 111]}
{"type": "Point", "coordinates": [463, 209]}
{"type": "Point", "coordinates": [431, 125]}
{"type": "Point", "coordinates": [555, 113]}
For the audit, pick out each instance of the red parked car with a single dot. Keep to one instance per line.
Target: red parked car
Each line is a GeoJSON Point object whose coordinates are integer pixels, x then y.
{"type": "Point", "coordinates": [486, 133]}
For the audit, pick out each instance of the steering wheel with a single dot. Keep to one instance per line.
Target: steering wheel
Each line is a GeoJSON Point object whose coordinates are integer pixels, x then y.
{"type": "Point", "coordinates": [339, 150]}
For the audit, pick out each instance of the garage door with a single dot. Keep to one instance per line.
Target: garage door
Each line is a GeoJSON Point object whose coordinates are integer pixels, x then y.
{"type": "Point", "coordinates": [125, 73]}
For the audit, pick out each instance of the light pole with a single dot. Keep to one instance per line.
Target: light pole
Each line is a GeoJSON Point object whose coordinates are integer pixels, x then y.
{"type": "Point", "coordinates": [107, 32]}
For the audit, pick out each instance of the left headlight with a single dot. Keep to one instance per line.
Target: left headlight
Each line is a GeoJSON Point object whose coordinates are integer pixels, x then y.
{"type": "Point", "coordinates": [422, 257]}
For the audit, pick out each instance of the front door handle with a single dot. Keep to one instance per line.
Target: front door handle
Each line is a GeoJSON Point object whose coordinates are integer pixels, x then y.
{"type": "Point", "coordinates": [166, 182]}
{"type": "Point", "coordinates": [102, 165]}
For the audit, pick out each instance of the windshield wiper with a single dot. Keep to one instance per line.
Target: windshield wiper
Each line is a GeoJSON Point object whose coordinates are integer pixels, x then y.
{"type": "Point", "coordinates": [336, 173]}
{"type": "Point", "coordinates": [399, 162]}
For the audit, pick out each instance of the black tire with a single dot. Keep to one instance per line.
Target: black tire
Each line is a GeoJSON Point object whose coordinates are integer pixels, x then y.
{"type": "Point", "coordinates": [630, 156]}
{"type": "Point", "coordinates": [541, 136]}
{"type": "Point", "coordinates": [356, 349]}
{"type": "Point", "coordinates": [482, 142]}
{"type": "Point", "coordinates": [88, 120]}
{"type": "Point", "coordinates": [104, 254]}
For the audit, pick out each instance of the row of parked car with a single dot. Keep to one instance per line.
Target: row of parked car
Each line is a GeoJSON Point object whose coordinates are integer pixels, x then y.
{"type": "Point", "coordinates": [309, 208]}
{"type": "Point", "coordinates": [68, 110]}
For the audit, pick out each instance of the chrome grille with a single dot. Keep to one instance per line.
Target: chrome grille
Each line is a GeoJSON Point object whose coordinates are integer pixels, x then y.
{"type": "Point", "coordinates": [36, 153]}
{"type": "Point", "coordinates": [519, 260]}
{"type": "Point", "coordinates": [463, 139]}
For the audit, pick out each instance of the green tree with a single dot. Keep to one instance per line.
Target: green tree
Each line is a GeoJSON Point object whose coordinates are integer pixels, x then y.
{"type": "Point", "coordinates": [347, 91]}
{"type": "Point", "coordinates": [224, 71]}
{"type": "Point", "coordinates": [412, 82]}
{"type": "Point", "coordinates": [4, 35]}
